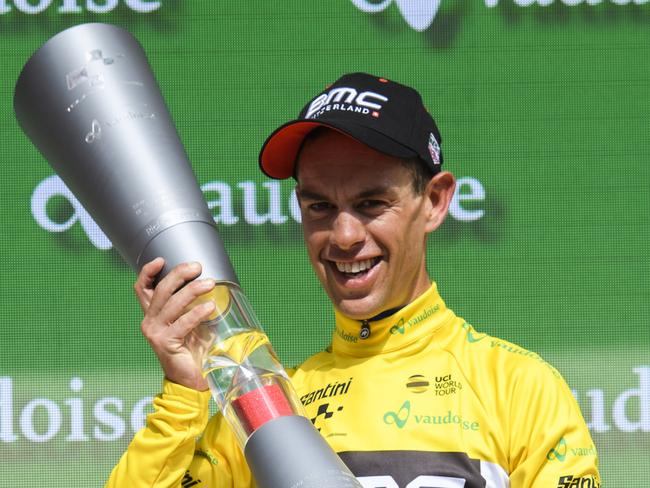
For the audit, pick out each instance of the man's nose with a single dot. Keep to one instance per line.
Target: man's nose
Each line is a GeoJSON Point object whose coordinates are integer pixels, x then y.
{"type": "Point", "coordinates": [347, 231]}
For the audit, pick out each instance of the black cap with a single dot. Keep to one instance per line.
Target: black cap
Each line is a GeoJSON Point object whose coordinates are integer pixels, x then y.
{"type": "Point", "coordinates": [382, 114]}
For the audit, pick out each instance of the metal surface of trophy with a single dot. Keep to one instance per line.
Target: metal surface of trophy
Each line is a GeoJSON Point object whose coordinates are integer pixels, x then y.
{"type": "Point", "coordinates": [89, 102]}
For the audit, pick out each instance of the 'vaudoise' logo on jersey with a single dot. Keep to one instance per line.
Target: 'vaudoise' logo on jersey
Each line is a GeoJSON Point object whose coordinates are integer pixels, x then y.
{"type": "Point", "coordinates": [404, 415]}
{"type": "Point", "coordinates": [402, 326]}
{"type": "Point", "coordinates": [558, 453]}
{"type": "Point", "coordinates": [562, 450]}
{"type": "Point", "coordinates": [400, 417]}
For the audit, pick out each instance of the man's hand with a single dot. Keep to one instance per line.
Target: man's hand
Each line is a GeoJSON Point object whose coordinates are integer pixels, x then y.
{"type": "Point", "coordinates": [168, 324]}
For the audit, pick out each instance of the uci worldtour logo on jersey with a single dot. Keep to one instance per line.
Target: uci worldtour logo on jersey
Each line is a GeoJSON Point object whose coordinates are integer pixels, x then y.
{"type": "Point", "coordinates": [443, 385]}
{"type": "Point", "coordinates": [344, 98]}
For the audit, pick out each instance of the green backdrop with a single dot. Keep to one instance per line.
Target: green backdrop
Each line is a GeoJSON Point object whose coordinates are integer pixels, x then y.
{"type": "Point", "coordinates": [543, 108]}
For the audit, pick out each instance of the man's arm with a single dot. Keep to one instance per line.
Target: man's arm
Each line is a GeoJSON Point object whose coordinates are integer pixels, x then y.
{"type": "Point", "coordinates": [161, 452]}
{"type": "Point", "coordinates": [550, 444]}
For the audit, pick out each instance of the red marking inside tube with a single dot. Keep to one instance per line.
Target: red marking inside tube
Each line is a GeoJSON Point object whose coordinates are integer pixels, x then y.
{"type": "Point", "coordinates": [258, 406]}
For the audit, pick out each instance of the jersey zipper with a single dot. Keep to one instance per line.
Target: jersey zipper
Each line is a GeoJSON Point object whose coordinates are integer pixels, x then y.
{"type": "Point", "coordinates": [364, 333]}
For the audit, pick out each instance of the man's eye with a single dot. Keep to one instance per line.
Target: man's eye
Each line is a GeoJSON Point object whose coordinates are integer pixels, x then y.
{"type": "Point", "coordinates": [319, 206]}
{"type": "Point", "coordinates": [370, 204]}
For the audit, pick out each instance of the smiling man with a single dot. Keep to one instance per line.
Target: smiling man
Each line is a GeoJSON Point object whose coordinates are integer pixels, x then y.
{"type": "Point", "coordinates": [364, 223]}
{"type": "Point", "coordinates": [408, 393]}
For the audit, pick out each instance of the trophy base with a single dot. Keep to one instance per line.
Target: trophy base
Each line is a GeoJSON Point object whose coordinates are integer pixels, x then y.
{"type": "Point", "coordinates": [287, 452]}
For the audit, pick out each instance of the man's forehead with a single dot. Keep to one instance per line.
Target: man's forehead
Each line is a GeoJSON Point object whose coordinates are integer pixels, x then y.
{"type": "Point", "coordinates": [332, 152]}
{"type": "Point", "coordinates": [318, 191]}
{"type": "Point", "coordinates": [327, 138]}
{"type": "Point", "coordinates": [334, 162]}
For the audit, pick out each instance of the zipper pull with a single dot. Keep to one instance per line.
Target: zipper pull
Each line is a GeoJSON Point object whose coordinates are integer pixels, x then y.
{"type": "Point", "coordinates": [364, 333]}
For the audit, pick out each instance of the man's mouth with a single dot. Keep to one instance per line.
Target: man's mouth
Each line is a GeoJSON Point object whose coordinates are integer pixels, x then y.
{"type": "Point", "coordinates": [356, 268]}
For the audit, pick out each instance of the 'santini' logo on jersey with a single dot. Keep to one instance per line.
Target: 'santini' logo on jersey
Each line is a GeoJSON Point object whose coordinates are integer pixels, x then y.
{"type": "Point", "coordinates": [330, 390]}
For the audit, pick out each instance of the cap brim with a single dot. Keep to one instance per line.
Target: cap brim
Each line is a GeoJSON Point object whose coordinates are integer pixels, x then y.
{"type": "Point", "coordinates": [280, 150]}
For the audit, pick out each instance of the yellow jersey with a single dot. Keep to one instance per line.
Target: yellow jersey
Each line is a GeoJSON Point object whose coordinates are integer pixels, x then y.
{"type": "Point", "coordinates": [417, 399]}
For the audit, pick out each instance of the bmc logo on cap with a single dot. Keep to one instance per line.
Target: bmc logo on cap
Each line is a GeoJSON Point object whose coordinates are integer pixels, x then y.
{"type": "Point", "coordinates": [344, 98]}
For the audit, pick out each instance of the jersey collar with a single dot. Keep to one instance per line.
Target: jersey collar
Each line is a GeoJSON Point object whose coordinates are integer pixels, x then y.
{"type": "Point", "coordinates": [424, 316]}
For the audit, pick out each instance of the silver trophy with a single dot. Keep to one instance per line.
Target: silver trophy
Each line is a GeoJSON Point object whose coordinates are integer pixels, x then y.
{"type": "Point", "coordinates": [89, 102]}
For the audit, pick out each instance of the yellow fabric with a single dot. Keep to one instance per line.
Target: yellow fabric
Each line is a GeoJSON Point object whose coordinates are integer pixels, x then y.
{"type": "Point", "coordinates": [424, 398]}
{"type": "Point", "coordinates": [159, 453]}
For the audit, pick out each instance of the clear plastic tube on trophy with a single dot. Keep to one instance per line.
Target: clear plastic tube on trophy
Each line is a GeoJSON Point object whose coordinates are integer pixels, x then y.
{"type": "Point", "coordinates": [89, 102]}
{"type": "Point", "coordinates": [246, 379]}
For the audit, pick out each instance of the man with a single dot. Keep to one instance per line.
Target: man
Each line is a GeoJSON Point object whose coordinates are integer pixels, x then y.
{"type": "Point", "coordinates": [408, 394]}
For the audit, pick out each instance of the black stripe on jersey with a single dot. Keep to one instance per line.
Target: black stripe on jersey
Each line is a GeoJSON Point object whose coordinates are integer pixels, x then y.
{"type": "Point", "coordinates": [406, 466]}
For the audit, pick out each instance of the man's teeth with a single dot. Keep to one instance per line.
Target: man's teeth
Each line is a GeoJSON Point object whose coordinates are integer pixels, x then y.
{"type": "Point", "coordinates": [355, 267]}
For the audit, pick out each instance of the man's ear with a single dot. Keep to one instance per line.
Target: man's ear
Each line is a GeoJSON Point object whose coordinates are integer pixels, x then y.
{"type": "Point", "coordinates": [439, 192]}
